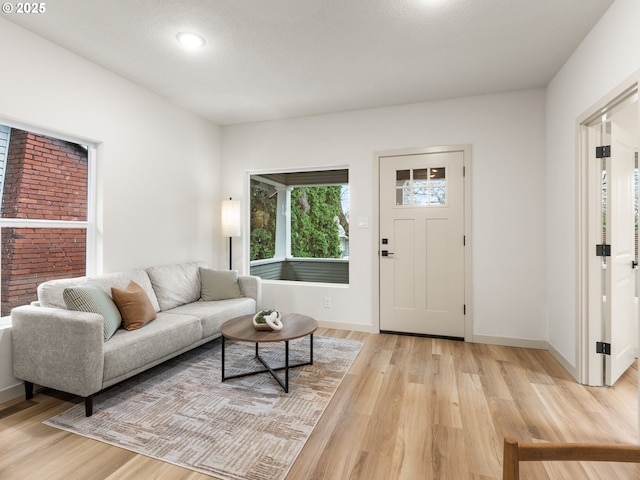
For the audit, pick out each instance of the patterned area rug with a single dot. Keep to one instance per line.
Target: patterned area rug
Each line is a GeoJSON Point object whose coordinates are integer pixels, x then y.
{"type": "Point", "coordinates": [246, 428]}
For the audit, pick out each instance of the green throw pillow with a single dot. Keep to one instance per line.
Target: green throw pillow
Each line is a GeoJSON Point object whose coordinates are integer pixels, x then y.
{"type": "Point", "coordinates": [219, 284]}
{"type": "Point", "coordinates": [91, 298]}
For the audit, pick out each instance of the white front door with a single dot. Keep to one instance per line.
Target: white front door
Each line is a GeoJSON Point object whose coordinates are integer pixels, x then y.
{"type": "Point", "coordinates": [620, 275]}
{"type": "Point", "coordinates": [422, 266]}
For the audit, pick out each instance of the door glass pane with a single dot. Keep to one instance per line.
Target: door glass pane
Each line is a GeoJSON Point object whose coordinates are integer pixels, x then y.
{"type": "Point", "coordinates": [403, 196]}
{"type": "Point", "coordinates": [420, 177]}
{"type": "Point", "coordinates": [437, 173]}
{"type": "Point", "coordinates": [438, 186]}
{"type": "Point", "coordinates": [403, 177]}
{"type": "Point", "coordinates": [420, 196]}
{"type": "Point", "coordinates": [438, 196]}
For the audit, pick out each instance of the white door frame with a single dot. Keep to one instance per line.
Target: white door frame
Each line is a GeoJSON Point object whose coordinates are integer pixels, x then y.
{"type": "Point", "coordinates": [589, 324]}
{"type": "Point", "coordinates": [466, 149]}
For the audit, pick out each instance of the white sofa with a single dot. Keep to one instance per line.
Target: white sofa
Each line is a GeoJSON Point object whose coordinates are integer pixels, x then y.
{"type": "Point", "coordinates": [65, 349]}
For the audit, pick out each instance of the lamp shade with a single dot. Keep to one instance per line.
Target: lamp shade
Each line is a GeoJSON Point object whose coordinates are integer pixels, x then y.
{"type": "Point", "coordinates": [231, 218]}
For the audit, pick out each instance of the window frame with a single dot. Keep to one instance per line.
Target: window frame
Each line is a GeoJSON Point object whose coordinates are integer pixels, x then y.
{"type": "Point", "coordinates": [91, 246]}
{"type": "Point", "coordinates": [286, 257]}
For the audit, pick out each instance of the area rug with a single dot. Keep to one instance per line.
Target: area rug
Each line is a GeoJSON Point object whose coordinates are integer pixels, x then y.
{"type": "Point", "coordinates": [246, 428]}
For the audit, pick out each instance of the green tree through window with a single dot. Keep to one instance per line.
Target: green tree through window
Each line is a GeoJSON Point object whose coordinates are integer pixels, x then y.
{"type": "Point", "coordinates": [263, 223]}
{"type": "Point", "coordinates": [300, 226]}
{"type": "Point", "coordinates": [315, 214]}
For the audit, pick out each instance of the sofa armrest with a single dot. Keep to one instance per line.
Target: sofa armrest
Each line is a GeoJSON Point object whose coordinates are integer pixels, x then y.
{"type": "Point", "coordinates": [59, 349]}
{"type": "Point", "coordinates": [251, 286]}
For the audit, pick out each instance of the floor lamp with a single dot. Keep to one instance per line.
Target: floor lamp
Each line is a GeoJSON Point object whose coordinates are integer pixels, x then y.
{"type": "Point", "coordinates": [230, 222]}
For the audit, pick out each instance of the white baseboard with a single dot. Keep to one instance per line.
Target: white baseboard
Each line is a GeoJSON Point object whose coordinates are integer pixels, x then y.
{"type": "Point", "coordinates": [528, 343]}
{"type": "Point", "coordinates": [511, 342]}
{"type": "Point", "coordinates": [11, 393]}
{"type": "Point", "coordinates": [566, 364]}
{"type": "Point", "coordinates": [357, 327]}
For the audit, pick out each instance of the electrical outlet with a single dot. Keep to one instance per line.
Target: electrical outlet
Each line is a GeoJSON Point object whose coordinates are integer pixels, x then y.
{"type": "Point", "coordinates": [327, 302]}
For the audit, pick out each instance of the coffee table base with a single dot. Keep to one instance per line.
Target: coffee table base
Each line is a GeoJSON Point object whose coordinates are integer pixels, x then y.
{"type": "Point", "coordinates": [283, 383]}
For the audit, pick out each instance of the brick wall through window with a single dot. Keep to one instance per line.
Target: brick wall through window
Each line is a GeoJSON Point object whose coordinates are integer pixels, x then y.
{"type": "Point", "coordinates": [45, 179]}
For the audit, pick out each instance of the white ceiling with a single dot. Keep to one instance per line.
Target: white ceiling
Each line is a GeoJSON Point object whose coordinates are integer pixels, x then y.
{"type": "Point", "coordinates": [269, 59]}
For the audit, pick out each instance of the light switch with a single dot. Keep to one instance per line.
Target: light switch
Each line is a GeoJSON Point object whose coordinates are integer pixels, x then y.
{"type": "Point", "coordinates": [363, 222]}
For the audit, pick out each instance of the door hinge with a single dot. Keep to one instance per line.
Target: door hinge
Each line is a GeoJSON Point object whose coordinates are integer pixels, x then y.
{"type": "Point", "coordinates": [603, 250]}
{"type": "Point", "coordinates": [464, 309]}
{"type": "Point", "coordinates": [464, 240]}
{"type": "Point", "coordinates": [464, 171]}
{"type": "Point", "coordinates": [603, 347]}
{"type": "Point", "coordinates": [603, 152]}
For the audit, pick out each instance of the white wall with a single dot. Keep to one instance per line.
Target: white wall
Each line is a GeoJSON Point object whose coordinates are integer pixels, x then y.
{"type": "Point", "coordinates": [607, 57]}
{"type": "Point", "coordinates": [506, 132]}
{"type": "Point", "coordinates": [158, 165]}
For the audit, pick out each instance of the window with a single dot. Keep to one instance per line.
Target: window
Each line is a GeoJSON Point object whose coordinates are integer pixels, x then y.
{"type": "Point", "coordinates": [44, 214]}
{"type": "Point", "coordinates": [300, 226]}
{"type": "Point", "coordinates": [421, 187]}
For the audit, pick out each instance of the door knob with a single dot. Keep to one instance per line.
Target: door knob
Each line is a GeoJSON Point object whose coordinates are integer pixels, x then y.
{"type": "Point", "coordinates": [634, 264]}
{"type": "Point", "coordinates": [386, 253]}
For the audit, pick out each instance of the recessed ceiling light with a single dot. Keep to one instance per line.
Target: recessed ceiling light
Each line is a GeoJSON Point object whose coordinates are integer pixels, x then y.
{"type": "Point", "coordinates": [189, 40]}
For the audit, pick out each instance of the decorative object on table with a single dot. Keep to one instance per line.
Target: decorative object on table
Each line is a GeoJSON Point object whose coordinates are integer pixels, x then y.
{"type": "Point", "coordinates": [268, 320]}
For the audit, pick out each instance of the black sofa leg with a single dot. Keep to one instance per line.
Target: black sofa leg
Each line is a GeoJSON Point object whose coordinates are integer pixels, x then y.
{"type": "Point", "coordinates": [88, 405]}
{"type": "Point", "coordinates": [28, 390]}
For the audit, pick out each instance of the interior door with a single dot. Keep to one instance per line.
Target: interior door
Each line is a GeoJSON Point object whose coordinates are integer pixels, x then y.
{"type": "Point", "coordinates": [620, 320]}
{"type": "Point", "coordinates": [422, 244]}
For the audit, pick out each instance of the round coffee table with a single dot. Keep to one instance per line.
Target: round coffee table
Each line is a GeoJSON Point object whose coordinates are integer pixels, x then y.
{"type": "Point", "coordinates": [241, 329]}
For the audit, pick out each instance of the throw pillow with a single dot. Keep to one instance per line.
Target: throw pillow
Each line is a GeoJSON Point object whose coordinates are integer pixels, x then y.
{"type": "Point", "coordinates": [91, 298]}
{"type": "Point", "coordinates": [175, 285]}
{"type": "Point", "coordinates": [134, 305]}
{"type": "Point", "coordinates": [219, 284]}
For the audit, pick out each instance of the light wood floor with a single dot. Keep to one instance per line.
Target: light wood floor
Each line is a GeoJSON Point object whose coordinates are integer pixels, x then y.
{"type": "Point", "coordinates": [410, 408]}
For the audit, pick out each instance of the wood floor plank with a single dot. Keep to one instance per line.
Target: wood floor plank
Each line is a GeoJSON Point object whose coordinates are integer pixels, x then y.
{"type": "Point", "coordinates": [409, 408]}
{"type": "Point", "coordinates": [444, 396]}
{"type": "Point", "coordinates": [479, 429]}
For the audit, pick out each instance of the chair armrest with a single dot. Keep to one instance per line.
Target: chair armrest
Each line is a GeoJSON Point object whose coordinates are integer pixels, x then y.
{"type": "Point", "coordinates": [251, 286]}
{"type": "Point", "coordinates": [59, 349]}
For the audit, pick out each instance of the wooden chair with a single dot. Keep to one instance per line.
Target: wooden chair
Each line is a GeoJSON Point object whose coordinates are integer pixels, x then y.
{"type": "Point", "coordinates": [515, 452]}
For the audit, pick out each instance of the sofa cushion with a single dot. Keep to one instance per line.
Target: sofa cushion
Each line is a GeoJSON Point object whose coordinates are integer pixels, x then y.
{"type": "Point", "coordinates": [50, 292]}
{"type": "Point", "coordinates": [214, 314]}
{"type": "Point", "coordinates": [91, 298]}
{"type": "Point", "coordinates": [176, 284]}
{"type": "Point", "coordinates": [134, 305]}
{"type": "Point", "coordinates": [219, 284]}
{"type": "Point", "coordinates": [128, 353]}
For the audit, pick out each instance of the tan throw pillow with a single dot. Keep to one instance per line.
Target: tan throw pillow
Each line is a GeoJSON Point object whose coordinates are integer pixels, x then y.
{"type": "Point", "coordinates": [219, 284]}
{"type": "Point", "coordinates": [134, 305]}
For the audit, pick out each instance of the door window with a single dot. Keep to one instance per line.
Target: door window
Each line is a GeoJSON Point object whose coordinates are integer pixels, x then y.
{"type": "Point", "coordinates": [421, 187]}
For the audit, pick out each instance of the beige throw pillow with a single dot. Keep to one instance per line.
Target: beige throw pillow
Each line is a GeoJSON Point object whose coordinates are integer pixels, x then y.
{"type": "Point", "coordinates": [219, 284]}
{"type": "Point", "coordinates": [134, 305]}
